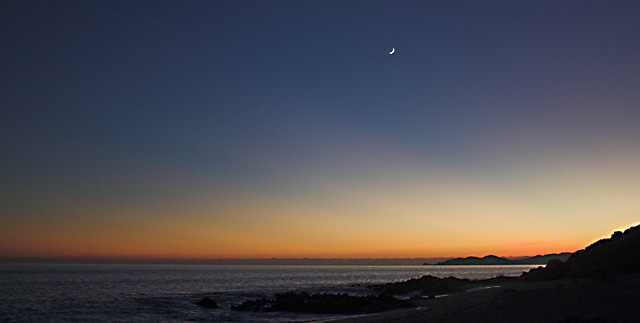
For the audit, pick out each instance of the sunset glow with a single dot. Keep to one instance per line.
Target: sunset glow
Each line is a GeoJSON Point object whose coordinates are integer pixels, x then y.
{"type": "Point", "coordinates": [285, 129]}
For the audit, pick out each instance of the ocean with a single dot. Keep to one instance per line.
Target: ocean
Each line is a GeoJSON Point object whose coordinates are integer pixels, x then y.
{"type": "Point", "coordinates": [167, 293]}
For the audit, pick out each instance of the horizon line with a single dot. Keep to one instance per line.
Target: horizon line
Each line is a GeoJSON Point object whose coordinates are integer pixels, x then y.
{"type": "Point", "coordinates": [242, 261]}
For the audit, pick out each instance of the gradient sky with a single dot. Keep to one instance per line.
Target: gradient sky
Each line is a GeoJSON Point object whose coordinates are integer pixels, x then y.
{"type": "Point", "coordinates": [258, 129]}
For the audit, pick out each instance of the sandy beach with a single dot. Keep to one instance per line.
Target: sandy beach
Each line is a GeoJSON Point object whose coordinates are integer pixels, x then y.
{"type": "Point", "coordinates": [615, 299]}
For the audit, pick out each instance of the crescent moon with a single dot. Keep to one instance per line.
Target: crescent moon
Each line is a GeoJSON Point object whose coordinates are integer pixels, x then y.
{"type": "Point", "coordinates": [392, 51]}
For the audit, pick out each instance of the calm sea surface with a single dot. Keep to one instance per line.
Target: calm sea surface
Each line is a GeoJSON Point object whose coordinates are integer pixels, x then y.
{"type": "Point", "coordinates": [166, 293]}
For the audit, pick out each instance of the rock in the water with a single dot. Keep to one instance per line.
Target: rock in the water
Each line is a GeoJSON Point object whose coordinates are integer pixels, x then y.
{"type": "Point", "coordinates": [427, 285]}
{"type": "Point", "coordinates": [207, 302]}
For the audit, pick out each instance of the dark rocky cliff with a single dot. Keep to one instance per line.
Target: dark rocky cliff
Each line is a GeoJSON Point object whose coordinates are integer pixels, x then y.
{"type": "Point", "coordinates": [619, 254]}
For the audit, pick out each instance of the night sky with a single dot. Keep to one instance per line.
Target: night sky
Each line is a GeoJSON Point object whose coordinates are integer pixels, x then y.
{"type": "Point", "coordinates": [259, 129]}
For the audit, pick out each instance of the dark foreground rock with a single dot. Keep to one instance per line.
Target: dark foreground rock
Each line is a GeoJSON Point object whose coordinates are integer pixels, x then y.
{"type": "Point", "coordinates": [207, 303]}
{"type": "Point", "coordinates": [567, 301]}
{"type": "Point", "coordinates": [427, 286]}
{"type": "Point", "coordinates": [430, 286]}
{"type": "Point", "coordinates": [324, 304]}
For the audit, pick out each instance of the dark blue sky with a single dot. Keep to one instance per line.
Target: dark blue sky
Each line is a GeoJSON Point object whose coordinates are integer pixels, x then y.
{"type": "Point", "coordinates": [139, 105]}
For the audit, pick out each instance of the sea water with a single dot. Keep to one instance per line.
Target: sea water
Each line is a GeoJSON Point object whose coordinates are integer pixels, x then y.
{"type": "Point", "coordinates": [167, 293]}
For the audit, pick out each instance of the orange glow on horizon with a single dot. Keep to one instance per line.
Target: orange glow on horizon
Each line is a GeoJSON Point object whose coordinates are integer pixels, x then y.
{"type": "Point", "coordinates": [165, 241]}
{"type": "Point", "coordinates": [427, 216]}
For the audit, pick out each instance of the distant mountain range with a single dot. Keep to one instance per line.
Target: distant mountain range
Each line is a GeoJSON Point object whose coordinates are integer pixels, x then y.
{"type": "Point", "coordinates": [495, 260]}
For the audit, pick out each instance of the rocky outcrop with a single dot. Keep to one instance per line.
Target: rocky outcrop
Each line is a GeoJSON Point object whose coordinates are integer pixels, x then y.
{"type": "Point", "coordinates": [427, 286]}
{"type": "Point", "coordinates": [324, 303]}
{"type": "Point", "coordinates": [207, 303]}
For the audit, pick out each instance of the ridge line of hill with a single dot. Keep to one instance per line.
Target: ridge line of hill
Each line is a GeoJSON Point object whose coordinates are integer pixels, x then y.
{"type": "Point", "coordinates": [495, 260]}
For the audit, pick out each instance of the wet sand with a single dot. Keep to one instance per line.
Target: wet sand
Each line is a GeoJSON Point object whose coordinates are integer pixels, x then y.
{"type": "Point", "coordinates": [580, 300]}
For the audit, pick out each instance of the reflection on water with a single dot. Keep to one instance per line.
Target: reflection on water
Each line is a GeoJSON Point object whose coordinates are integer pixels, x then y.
{"type": "Point", "coordinates": [127, 293]}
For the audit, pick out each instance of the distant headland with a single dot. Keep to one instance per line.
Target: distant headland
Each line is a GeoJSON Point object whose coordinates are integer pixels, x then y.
{"type": "Point", "coordinates": [495, 260]}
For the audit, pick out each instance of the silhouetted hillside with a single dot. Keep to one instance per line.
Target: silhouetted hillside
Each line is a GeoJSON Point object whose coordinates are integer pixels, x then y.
{"type": "Point", "coordinates": [495, 260]}
{"type": "Point", "coordinates": [487, 260]}
{"type": "Point", "coordinates": [543, 259]}
{"type": "Point", "coordinates": [619, 254]}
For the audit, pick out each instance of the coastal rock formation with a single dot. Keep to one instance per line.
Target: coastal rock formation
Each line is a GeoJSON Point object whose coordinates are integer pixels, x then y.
{"type": "Point", "coordinates": [324, 304]}
{"type": "Point", "coordinates": [426, 285]}
{"type": "Point", "coordinates": [207, 303]}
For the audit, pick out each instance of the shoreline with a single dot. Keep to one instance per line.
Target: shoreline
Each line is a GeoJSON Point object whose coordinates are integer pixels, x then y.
{"type": "Point", "coordinates": [408, 310]}
{"type": "Point", "coordinates": [565, 300]}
